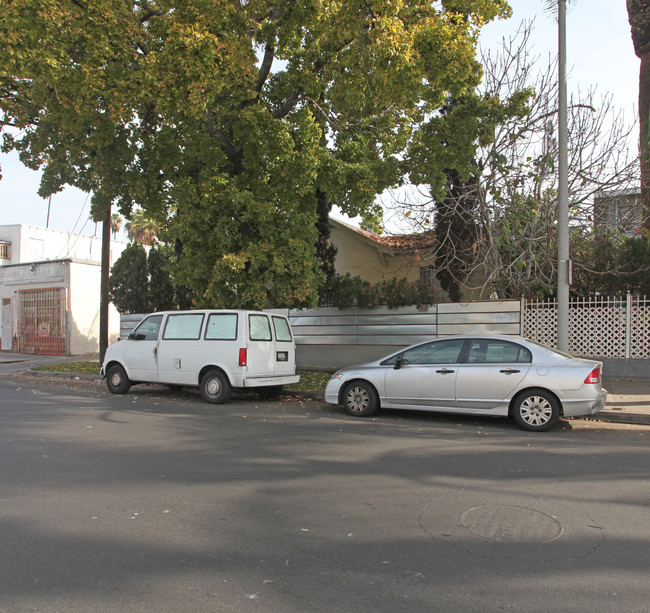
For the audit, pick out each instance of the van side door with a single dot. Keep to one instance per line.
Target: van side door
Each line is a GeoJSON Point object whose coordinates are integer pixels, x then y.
{"type": "Point", "coordinates": [181, 352]}
{"type": "Point", "coordinates": [141, 352]}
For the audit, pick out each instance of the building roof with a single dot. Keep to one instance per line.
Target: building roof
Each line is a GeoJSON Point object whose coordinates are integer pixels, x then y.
{"type": "Point", "coordinates": [402, 243]}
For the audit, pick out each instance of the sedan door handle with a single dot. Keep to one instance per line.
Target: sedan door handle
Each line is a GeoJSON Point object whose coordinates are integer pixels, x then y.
{"type": "Point", "coordinates": [509, 371]}
{"type": "Point", "coordinates": [445, 371]}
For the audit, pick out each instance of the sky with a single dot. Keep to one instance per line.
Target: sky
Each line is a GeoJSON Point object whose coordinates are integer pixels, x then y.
{"type": "Point", "coordinates": [599, 54]}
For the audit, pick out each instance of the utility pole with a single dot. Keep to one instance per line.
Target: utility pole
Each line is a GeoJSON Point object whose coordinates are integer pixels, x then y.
{"type": "Point", "coordinates": [563, 262]}
{"type": "Point", "coordinates": [105, 272]}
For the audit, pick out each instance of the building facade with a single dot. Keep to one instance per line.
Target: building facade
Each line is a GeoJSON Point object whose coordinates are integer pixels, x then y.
{"type": "Point", "coordinates": [50, 291]}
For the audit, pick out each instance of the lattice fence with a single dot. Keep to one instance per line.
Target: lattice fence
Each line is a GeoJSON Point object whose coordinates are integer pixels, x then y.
{"type": "Point", "coordinates": [598, 326]}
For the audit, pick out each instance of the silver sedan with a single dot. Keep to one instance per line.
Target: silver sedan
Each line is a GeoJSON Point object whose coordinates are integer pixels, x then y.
{"type": "Point", "coordinates": [477, 375]}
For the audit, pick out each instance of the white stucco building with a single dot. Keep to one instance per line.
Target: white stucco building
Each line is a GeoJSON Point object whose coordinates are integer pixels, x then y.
{"type": "Point", "coordinates": [50, 290]}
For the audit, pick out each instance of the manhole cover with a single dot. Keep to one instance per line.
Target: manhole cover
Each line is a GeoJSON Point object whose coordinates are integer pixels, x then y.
{"type": "Point", "coordinates": [514, 527]}
{"type": "Point", "coordinates": [511, 524]}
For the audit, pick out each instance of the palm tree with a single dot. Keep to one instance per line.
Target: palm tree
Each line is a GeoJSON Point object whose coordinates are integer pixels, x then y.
{"type": "Point", "coordinates": [116, 223]}
{"type": "Point", "coordinates": [141, 229]}
{"type": "Point", "coordinates": [638, 12]}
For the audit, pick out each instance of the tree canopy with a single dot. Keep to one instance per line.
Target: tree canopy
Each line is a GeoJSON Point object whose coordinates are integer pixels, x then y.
{"type": "Point", "coordinates": [226, 120]}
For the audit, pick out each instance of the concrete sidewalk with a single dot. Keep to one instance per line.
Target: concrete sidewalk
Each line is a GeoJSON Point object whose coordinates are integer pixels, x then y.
{"type": "Point", "coordinates": [628, 402]}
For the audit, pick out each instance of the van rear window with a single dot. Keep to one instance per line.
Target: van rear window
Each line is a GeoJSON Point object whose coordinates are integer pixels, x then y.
{"type": "Point", "coordinates": [260, 329]}
{"type": "Point", "coordinates": [183, 326]}
{"type": "Point", "coordinates": [221, 327]}
{"type": "Point", "coordinates": [282, 329]}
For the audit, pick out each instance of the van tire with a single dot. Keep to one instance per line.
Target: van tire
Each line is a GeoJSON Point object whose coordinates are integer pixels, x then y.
{"type": "Point", "coordinates": [215, 387]}
{"type": "Point", "coordinates": [117, 381]}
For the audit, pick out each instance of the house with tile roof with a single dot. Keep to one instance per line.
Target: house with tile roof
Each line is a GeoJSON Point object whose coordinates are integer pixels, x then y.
{"type": "Point", "coordinates": [379, 258]}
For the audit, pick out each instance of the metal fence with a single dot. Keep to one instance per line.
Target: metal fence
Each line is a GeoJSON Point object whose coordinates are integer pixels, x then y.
{"type": "Point", "coordinates": [616, 328]}
{"type": "Point", "coordinates": [403, 326]}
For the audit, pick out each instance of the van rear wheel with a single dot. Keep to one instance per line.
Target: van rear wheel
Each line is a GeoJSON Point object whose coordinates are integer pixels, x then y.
{"type": "Point", "coordinates": [215, 387]}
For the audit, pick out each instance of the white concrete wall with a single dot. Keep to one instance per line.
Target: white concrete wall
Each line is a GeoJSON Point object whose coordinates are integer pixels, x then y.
{"type": "Point", "coordinates": [85, 282]}
{"type": "Point", "coordinates": [82, 281]}
{"type": "Point", "coordinates": [45, 275]}
{"type": "Point", "coordinates": [34, 244]}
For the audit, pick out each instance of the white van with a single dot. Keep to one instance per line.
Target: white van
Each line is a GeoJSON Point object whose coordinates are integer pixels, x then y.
{"type": "Point", "coordinates": [217, 350]}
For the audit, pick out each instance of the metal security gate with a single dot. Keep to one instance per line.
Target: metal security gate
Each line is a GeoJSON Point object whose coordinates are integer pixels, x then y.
{"type": "Point", "coordinates": [41, 321]}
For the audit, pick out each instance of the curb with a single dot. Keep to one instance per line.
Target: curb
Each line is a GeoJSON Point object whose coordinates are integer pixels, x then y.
{"type": "Point", "coordinates": [606, 415]}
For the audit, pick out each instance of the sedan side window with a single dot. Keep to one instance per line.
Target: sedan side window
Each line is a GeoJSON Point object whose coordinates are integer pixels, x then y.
{"type": "Point", "coordinates": [497, 352]}
{"type": "Point", "coordinates": [438, 352]}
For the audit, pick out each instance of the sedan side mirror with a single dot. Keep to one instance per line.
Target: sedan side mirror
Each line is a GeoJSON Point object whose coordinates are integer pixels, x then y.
{"type": "Point", "coordinates": [398, 362]}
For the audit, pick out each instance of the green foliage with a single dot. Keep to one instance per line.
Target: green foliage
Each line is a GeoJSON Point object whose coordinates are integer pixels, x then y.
{"type": "Point", "coordinates": [346, 291]}
{"type": "Point", "coordinates": [141, 283]}
{"type": "Point", "coordinates": [160, 285]}
{"type": "Point", "coordinates": [173, 107]}
{"type": "Point", "coordinates": [129, 281]}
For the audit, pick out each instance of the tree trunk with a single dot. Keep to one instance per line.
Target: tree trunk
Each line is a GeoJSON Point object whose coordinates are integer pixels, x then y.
{"type": "Point", "coordinates": [639, 16]}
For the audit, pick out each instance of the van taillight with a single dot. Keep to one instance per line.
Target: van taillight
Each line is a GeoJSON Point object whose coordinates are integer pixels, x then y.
{"type": "Point", "coordinates": [594, 376]}
{"type": "Point", "coordinates": [243, 357]}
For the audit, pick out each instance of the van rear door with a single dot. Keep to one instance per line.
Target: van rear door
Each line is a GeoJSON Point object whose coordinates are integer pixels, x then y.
{"type": "Point", "coordinates": [260, 358]}
{"type": "Point", "coordinates": [285, 349]}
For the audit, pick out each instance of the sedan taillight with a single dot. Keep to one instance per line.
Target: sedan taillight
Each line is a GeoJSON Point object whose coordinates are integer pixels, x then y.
{"type": "Point", "coordinates": [593, 376]}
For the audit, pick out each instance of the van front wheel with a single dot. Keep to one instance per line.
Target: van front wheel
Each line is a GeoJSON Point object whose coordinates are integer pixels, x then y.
{"type": "Point", "coordinates": [215, 387]}
{"type": "Point", "coordinates": [116, 380]}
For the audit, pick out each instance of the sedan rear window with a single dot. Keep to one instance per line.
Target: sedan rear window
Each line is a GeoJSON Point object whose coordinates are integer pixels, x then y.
{"type": "Point", "coordinates": [483, 351]}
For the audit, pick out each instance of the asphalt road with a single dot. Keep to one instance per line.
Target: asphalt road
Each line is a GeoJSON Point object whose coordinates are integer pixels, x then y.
{"type": "Point", "coordinates": [155, 501]}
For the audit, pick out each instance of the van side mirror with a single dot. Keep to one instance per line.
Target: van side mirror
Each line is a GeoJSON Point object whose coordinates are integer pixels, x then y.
{"type": "Point", "coordinates": [137, 336]}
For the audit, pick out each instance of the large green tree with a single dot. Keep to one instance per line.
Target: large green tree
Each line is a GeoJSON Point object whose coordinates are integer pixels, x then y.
{"type": "Point", "coordinates": [229, 122]}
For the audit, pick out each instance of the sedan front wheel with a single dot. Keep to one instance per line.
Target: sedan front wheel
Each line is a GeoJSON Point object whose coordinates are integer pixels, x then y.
{"type": "Point", "coordinates": [536, 410]}
{"type": "Point", "coordinates": [360, 399]}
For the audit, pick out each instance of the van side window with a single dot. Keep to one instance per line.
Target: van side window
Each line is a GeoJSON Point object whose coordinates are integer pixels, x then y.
{"type": "Point", "coordinates": [282, 329]}
{"type": "Point", "coordinates": [185, 326]}
{"type": "Point", "coordinates": [260, 329]}
{"type": "Point", "coordinates": [221, 327]}
{"type": "Point", "coordinates": [150, 328]}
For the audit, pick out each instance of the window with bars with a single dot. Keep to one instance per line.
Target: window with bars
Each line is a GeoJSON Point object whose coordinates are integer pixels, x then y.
{"type": "Point", "coordinates": [427, 275]}
{"type": "Point", "coordinates": [5, 252]}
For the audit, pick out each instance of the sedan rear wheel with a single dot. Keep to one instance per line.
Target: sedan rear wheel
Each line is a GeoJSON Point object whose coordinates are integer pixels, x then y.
{"type": "Point", "coordinates": [536, 410]}
{"type": "Point", "coordinates": [360, 399]}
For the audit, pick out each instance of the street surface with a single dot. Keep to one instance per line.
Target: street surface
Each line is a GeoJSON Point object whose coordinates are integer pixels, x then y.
{"type": "Point", "coordinates": [157, 502]}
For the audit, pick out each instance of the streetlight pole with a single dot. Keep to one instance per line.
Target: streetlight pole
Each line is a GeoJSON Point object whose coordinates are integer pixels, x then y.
{"type": "Point", "coordinates": [563, 190]}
